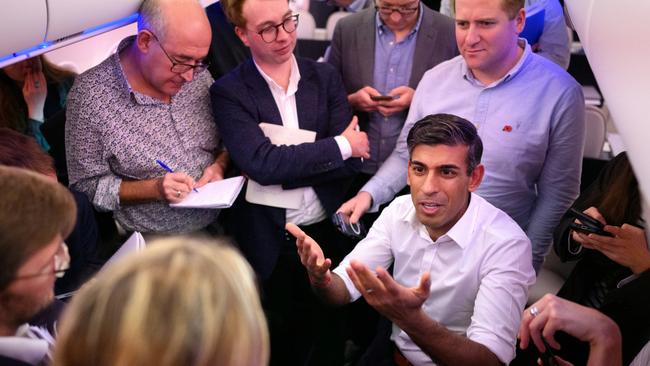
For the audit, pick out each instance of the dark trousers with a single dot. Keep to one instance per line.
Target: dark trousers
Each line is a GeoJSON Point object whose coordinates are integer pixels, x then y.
{"type": "Point", "coordinates": [381, 350]}
{"type": "Point", "coordinates": [304, 331]}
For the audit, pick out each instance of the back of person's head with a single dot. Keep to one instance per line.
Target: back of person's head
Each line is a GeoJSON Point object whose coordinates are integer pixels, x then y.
{"type": "Point", "coordinates": [33, 210]}
{"type": "Point", "coordinates": [621, 202]}
{"type": "Point", "coordinates": [182, 301]}
{"type": "Point", "coordinates": [450, 130]}
{"type": "Point", "coordinates": [22, 151]}
{"type": "Point", "coordinates": [234, 11]}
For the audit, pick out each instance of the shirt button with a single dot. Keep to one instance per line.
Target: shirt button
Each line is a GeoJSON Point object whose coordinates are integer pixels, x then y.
{"type": "Point", "coordinates": [390, 43]}
{"type": "Point", "coordinates": [391, 69]}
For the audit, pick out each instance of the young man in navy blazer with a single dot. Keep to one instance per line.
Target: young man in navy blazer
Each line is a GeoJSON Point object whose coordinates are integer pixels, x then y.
{"type": "Point", "coordinates": [278, 88]}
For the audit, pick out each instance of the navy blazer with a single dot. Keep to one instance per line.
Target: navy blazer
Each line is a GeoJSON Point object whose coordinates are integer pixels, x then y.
{"type": "Point", "coordinates": [241, 100]}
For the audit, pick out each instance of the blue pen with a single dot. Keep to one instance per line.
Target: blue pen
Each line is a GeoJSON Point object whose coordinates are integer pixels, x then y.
{"type": "Point", "coordinates": [164, 166]}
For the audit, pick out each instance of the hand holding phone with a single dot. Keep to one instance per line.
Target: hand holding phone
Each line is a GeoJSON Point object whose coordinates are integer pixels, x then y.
{"type": "Point", "coordinates": [342, 222]}
{"type": "Point", "coordinates": [383, 98]}
{"type": "Point", "coordinates": [588, 224]}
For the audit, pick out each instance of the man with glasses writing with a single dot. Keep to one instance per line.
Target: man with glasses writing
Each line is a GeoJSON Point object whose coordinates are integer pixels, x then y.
{"type": "Point", "coordinates": [382, 53]}
{"type": "Point", "coordinates": [36, 213]}
{"type": "Point", "coordinates": [147, 102]}
{"type": "Point", "coordinates": [292, 96]}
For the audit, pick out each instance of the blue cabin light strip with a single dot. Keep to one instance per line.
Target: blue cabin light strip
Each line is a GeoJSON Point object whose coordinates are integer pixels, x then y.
{"type": "Point", "coordinates": [44, 47]}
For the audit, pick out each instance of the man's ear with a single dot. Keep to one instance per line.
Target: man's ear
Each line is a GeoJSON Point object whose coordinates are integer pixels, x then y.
{"type": "Point", "coordinates": [143, 40]}
{"type": "Point", "coordinates": [520, 20]}
{"type": "Point", "coordinates": [242, 35]}
{"type": "Point", "coordinates": [476, 178]}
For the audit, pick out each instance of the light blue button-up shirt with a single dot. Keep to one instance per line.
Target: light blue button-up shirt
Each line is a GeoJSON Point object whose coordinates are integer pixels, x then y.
{"type": "Point", "coordinates": [393, 64]}
{"type": "Point", "coordinates": [531, 123]}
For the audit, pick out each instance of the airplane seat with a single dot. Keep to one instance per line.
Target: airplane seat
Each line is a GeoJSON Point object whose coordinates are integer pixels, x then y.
{"type": "Point", "coordinates": [69, 65]}
{"type": "Point", "coordinates": [306, 25]}
{"type": "Point", "coordinates": [551, 277]}
{"type": "Point", "coordinates": [332, 20]}
{"type": "Point", "coordinates": [595, 131]}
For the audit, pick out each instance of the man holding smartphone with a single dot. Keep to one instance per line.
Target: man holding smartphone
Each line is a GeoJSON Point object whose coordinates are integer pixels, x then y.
{"type": "Point", "coordinates": [381, 53]}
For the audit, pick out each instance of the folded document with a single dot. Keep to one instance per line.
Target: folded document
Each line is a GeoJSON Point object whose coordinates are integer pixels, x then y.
{"type": "Point", "coordinates": [135, 243]}
{"type": "Point", "coordinates": [220, 194]}
{"type": "Point", "coordinates": [274, 195]}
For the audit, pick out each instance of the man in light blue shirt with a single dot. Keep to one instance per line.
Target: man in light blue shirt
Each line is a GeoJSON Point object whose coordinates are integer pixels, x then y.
{"type": "Point", "coordinates": [529, 114]}
{"type": "Point", "coordinates": [384, 52]}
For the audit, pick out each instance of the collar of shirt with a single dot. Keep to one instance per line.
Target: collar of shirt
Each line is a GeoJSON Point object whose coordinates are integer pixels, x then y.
{"type": "Point", "coordinates": [381, 28]}
{"type": "Point", "coordinates": [26, 346]}
{"type": "Point", "coordinates": [467, 74]}
{"type": "Point", "coordinates": [458, 233]}
{"type": "Point", "coordinates": [294, 78]}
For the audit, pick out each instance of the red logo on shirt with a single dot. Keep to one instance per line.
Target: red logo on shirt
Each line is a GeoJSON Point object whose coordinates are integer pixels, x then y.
{"type": "Point", "coordinates": [507, 128]}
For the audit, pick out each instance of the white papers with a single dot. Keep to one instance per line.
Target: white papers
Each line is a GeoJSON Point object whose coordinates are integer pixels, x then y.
{"type": "Point", "coordinates": [220, 194]}
{"type": "Point", "coordinates": [135, 243]}
{"type": "Point", "coordinates": [274, 195]}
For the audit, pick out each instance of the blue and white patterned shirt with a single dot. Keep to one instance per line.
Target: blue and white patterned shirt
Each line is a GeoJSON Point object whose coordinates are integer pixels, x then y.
{"type": "Point", "coordinates": [114, 133]}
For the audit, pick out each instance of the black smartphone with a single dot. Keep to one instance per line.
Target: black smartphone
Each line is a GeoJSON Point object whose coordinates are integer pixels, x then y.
{"type": "Point", "coordinates": [588, 225]}
{"type": "Point", "coordinates": [342, 223]}
{"type": "Point", "coordinates": [382, 98]}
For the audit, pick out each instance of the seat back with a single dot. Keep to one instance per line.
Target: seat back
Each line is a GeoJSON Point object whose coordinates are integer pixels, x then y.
{"type": "Point", "coordinates": [332, 20]}
{"type": "Point", "coordinates": [595, 129]}
{"type": "Point", "coordinates": [306, 25]}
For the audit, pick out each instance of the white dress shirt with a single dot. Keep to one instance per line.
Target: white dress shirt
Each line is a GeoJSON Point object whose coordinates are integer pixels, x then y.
{"type": "Point", "coordinates": [30, 345]}
{"type": "Point", "coordinates": [480, 272]}
{"type": "Point", "coordinates": [311, 211]}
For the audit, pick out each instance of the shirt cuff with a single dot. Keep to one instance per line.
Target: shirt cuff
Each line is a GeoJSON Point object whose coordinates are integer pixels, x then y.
{"type": "Point", "coordinates": [349, 285]}
{"type": "Point", "coordinates": [344, 147]}
{"type": "Point", "coordinates": [107, 194]}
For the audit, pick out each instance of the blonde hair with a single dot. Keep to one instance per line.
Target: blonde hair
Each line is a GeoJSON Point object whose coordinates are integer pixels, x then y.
{"type": "Point", "coordinates": [182, 301]}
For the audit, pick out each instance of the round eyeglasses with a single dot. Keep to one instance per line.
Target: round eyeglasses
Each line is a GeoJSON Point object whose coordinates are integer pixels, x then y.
{"type": "Point", "coordinates": [60, 263]}
{"type": "Point", "coordinates": [270, 33]}
{"type": "Point", "coordinates": [178, 67]}
{"type": "Point", "coordinates": [404, 11]}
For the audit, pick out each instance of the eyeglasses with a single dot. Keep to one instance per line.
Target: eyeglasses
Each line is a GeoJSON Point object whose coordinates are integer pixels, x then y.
{"type": "Point", "coordinates": [61, 263]}
{"type": "Point", "coordinates": [270, 33]}
{"type": "Point", "coordinates": [178, 67]}
{"type": "Point", "coordinates": [404, 11]}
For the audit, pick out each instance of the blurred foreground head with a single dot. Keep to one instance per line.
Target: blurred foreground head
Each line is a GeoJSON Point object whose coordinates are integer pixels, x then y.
{"type": "Point", "coordinates": [182, 301]}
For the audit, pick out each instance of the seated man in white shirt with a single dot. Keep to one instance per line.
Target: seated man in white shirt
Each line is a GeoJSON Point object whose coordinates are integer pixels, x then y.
{"type": "Point", "coordinates": [462, 267]}
{"type": "Point", "coordinates": [36, 213]}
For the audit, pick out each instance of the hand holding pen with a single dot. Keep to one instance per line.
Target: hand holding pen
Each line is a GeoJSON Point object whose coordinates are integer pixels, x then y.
{"type": "Point", "coordinates": [175, 185]}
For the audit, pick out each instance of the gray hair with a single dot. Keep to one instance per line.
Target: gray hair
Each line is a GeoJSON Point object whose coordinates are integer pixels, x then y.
{"type": "Point", "coordinates": [151, 17]}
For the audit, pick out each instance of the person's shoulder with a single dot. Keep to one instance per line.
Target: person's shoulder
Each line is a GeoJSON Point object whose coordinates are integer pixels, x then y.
{"type": "Point", "coordinates": [323, 70]}
{"type": "Point", "coordinates": [439, 20]}
{"type": "Point", "coordinates": [235, 77]}
{"type": "Point", "coordinates": [496, 222]}
{"type": "Point", "coordinates": [95, 81]}
{"type": "Point", "coordinates": [357, 19]}
{"type": "Point", "coordinates": [545, 69]}
{"type": "Point", "coordinates": [445, 69]}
